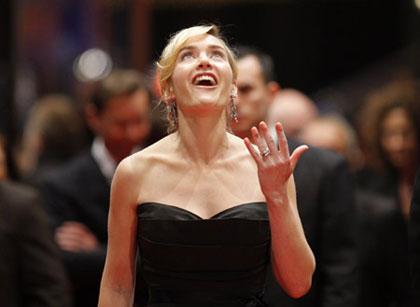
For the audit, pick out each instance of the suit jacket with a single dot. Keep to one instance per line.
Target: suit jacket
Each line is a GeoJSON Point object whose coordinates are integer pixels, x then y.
{"type": "Point", "coordinates": [31, 273]}
{"type": "Point", "coordinates": [325, 196]}
{"type": "Point", "coordinates": [384, 261]}
{"type": "Point", "coordinates": [414, 243]}
{"type": "Point", "coordinates": [78, 191]}
{"type": "Point", "coordinates": [383, 232]}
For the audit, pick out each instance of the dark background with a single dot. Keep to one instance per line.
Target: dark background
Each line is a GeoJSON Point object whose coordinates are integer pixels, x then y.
{"type": "Point", "coordinates": [334, 51]}
{"type": "Point", "coordinates": [6, 67]}
{"type": "Point", "coordinates": [313, 42]}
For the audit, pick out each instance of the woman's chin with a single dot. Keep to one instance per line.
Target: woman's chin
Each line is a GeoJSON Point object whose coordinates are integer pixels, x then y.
{"type": "Point", "coordinates": [208, 100]}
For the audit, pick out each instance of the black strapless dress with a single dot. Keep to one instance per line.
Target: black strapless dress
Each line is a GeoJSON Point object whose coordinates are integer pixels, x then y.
{"type": "Point", "coordinates": [190, 261]}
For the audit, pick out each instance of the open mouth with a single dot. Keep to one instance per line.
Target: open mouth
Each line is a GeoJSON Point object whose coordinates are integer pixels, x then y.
{"type": "Point", "coordinates": [205, 80]}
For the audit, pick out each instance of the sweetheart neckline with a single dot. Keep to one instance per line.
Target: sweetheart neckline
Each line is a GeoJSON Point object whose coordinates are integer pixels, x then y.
{"type": "Point", "coordinates": [196, 215]}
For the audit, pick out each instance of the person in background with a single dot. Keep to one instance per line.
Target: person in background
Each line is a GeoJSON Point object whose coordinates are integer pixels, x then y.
{"type": "Point", "coordinates": [389, 125]}
{"type": "Point", "coordinates": [54, 132]}
{"type": "Point", "coordinates": [324, 190]}
{"type": "Point", "coordinates": [293, 109]}
{"type": "Point", "coordinates": [333, 132]}
{"type": "Point", "coordinates": [414, 243]}
{"type": "Point", "coordinates": [31, 272]}
{"type": "Point", "coordinates": [77, 194]}
{"type": "Point", "coordinates": [389, 129]}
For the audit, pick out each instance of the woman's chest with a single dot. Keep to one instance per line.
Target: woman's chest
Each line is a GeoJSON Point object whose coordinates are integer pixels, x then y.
{"type": "Point", "coordinates": [203, 192]}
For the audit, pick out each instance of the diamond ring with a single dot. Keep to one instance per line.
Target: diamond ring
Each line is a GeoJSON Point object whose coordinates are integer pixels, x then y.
{"type": "Point", "coordinates": [265, 153]}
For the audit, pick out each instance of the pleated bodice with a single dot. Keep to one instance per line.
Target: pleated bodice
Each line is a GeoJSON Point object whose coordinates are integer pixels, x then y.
{"type": "Point", "coordinates": [190, 261]}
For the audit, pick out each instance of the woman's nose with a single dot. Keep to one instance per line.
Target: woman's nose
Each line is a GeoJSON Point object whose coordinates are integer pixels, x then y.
{"type": "Point", "coordinates": [204, 61]}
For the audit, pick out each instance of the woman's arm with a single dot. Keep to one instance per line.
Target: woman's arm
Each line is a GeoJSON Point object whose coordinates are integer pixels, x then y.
{"type": "Point", "coordinates": [118, 278]}
{"type": "Point", "coordinates": [292, 259]}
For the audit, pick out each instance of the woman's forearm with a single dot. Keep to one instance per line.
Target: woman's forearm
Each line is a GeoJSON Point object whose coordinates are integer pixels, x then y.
{"type": "Point", "coordinates": [292, 259]}
{"type": "Point", "coordinates": [114, 296]}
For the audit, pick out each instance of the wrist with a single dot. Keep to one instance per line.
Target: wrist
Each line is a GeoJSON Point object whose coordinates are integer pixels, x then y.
{"type": "Point", "coordinates": [279, 198]}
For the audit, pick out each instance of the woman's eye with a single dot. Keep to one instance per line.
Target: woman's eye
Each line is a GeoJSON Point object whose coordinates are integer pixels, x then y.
{"type": "Point", "coordinates": [217, 55]}
{"type": "Point", "coordinates": [186, 56]}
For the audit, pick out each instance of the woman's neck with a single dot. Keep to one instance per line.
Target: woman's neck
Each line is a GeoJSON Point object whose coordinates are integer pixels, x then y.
{"type": "Point", "coordinates": [204, 139]}
{"type": "Point", "coordinates": [405, 189]}
{"type": "Point", "coordinates": [407, 175]}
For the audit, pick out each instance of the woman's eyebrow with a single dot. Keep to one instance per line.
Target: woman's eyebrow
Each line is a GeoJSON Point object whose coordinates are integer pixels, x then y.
{"type": "Point", "coordinates": [187, 48]}
{"type": "Point", "coordinates": [216, 47]}
{"type": "Point", "coordinates": [192, 47]}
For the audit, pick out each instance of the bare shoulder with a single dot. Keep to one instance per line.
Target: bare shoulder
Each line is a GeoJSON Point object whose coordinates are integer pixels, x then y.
{"type": "Point", "coordinates": [137, 173]}
{"type": "Point", "coordinates": [140, 162]}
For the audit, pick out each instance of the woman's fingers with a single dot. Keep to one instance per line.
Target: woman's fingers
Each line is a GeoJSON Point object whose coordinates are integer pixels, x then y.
{"type": "Point", "coordinates": [281, 137]}
{"type": "Point", "coordinates": [267, 147]}
{"type": "Point", "coordinates": [260, 142]}
{"type": "Point", "coordinates": [264, 141]}
{"type": "Point", "coordinates": [296, 154]}
{"type": "Point", "coordinates": [272, 146]}
{"type": "Point", "coordinates": [252, 151]}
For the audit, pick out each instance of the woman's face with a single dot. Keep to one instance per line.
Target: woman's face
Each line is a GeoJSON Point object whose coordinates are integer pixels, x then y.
{"type": "Point", "coordinates": [202, 79]}
{"type": "Point", "coordinates": [399, 139]}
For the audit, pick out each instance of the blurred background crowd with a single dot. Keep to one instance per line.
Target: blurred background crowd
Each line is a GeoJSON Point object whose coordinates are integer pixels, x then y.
{"type": "Point", "coordinates": [78, 93]}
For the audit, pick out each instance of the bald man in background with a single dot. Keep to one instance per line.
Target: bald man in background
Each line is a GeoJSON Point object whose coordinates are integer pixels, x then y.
{"type": "Point", "coordinates": [333, 132]}
{"type": "Point", "coordinates": [293, 109]}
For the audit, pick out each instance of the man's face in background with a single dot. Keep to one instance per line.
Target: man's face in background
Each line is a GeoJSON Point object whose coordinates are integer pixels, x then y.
{"type": "Point", "coordinates": [124, 123]}
{"type": "Point", "coordinates": [254, 95]}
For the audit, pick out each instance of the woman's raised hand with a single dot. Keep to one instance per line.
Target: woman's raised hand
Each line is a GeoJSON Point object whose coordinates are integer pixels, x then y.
{"type": "Point", "coordinates": [274, 163]}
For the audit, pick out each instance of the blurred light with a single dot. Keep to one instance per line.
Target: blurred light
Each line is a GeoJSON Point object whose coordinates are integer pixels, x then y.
{"type": "Point", "coordinates": [417, 3]}
{"type": "Point", "coordinates": [93, 64]}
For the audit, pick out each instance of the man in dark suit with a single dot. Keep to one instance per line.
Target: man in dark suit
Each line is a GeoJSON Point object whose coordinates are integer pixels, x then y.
{"type": "Point", "coordinates": [31, 273]}
{"type": "Point", "coordinates": [414, 243]}
{"type": "Point", "coordinates": [77, 194]}
{"type": "Point", "coordinates": [324, 192]}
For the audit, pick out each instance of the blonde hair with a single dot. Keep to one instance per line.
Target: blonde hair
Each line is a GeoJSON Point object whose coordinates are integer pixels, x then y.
{"type": "Point", "coordinates": [166, 63]}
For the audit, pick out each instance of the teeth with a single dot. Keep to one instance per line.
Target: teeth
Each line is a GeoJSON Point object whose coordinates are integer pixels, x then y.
{"type": "Point", "coordinates": [205, 78]}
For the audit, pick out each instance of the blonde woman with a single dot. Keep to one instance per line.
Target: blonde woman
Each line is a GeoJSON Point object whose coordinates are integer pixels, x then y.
{"type": "Point", "coordinates": [204, 209]}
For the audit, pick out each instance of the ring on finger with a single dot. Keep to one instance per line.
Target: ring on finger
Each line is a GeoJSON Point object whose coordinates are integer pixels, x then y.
{"type": "Point", "coordinates": [265, 153]}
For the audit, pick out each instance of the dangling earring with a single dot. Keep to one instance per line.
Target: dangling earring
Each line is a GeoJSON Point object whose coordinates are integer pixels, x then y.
{"type": "Point", "coordinates": [172, 112]}
{"type": "Point", "coordinates": [233, 108]}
